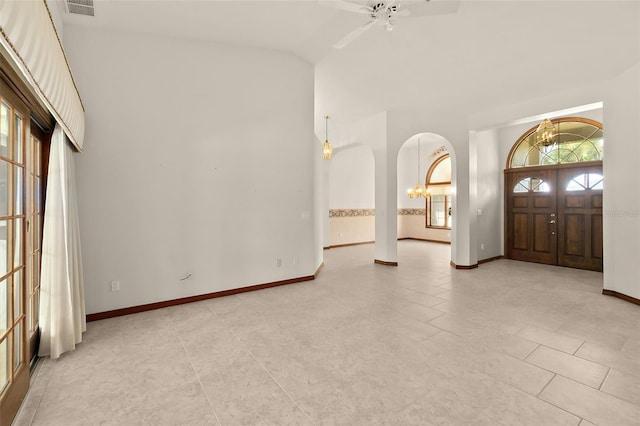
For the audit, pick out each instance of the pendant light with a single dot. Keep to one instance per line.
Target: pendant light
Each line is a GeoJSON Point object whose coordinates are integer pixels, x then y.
{"type": "Point", "coordinates": [546, 132]}
{"type": "Point", "coordinates": [419, 190]}
{"type": "Point", "coordinates": [327, 150]}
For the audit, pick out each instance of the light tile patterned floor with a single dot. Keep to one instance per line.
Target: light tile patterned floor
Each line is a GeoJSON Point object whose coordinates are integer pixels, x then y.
{"type": "Point", "coordinates": [509, 343]}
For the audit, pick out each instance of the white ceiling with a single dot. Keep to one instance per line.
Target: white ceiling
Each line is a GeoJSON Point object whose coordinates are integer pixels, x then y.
{"type": "Point", "coordinates": [487, 53]}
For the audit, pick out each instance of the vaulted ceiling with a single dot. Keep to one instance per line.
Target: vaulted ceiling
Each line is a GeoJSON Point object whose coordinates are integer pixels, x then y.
{"type": "Point", "coordinates": [485, 54]}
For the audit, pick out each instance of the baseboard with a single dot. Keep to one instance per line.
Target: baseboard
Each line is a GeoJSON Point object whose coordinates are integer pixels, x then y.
{"type": "Point", "coordinates": [350, 244]}
{"type": "Point", "coordinates": [425, 239]}
{"type": "Point", "coordinates": [399, 239]}
{"type": "Point", "coordinates": [315, 275]}
{"type": "Point", "coordinates": [474, 266]}
{"type": "Point", "coordinates": [385, 263]}
{"type": "Point", "coordinates": [629, 299]}
{"type": "Point", "coordinates": [191, 299]}
{"type": "Point", "coordinates": [490, 259]}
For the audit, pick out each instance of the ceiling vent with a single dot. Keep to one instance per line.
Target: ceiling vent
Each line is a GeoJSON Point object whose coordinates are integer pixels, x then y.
{"type": "Point", "coordinates": [80, 7]}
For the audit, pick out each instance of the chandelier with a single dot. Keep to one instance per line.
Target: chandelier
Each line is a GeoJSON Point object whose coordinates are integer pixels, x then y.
{"type": "Point", "coordinates": [419, 190]}
{"type": "Point", "coordinates": [546, 133]}
{"type": "Point", "coordinates": [327, 150]}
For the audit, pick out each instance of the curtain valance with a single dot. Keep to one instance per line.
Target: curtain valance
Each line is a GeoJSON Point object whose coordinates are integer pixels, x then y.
{"type": "Point", "coordinates": [29, 37]}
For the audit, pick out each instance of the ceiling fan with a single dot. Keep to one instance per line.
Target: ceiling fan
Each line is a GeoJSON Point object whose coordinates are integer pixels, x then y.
{"type": "Point", "coordinates": [383, 12]}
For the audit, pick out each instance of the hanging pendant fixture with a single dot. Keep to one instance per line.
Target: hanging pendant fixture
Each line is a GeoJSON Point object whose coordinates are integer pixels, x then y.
{"type": "Point", "coordinates": [546, 133]}
{"type": "Point", "coordinates": [327, 150]}
{"type": "Point", "coordinates": [419, 190]}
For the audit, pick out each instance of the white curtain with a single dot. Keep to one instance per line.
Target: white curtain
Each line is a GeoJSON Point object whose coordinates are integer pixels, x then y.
{"type": "Point", "coordinates": [62, 311]}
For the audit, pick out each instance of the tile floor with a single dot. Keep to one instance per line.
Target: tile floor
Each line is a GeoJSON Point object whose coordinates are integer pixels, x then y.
{"type": "Point", "coordinates": [509, 343]}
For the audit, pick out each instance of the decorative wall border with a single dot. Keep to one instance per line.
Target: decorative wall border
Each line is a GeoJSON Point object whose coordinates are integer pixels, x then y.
{"type": "Point", "coordinates": [412, 212]}
{"type": "Point", "coordinates": [372, 212]}
{"type": "Point", "coordinates": [351, 212]}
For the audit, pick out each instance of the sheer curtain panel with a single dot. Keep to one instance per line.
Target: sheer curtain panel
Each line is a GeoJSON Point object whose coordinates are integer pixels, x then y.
{"type": "Point", "coordinates": [62, 310]}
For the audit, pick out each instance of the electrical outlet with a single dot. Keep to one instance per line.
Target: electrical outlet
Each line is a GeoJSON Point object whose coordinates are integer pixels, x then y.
{"type": "Point", "coordinates": [295, 260]}
{"type": "Point", "coordinates": [115, 285]}
{"type": "Point", "coordinates": [278, 262]}
{"type": "Point", "coordinates": [482, 246]}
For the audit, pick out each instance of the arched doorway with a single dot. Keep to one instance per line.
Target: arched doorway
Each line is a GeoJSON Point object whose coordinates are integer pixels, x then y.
{"type": "Point", "coordinates": [553, 196]}
{"type": "Point", "coordinates": [433, 166]}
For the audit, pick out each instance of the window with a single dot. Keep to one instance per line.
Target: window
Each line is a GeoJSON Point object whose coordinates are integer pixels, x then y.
{"type": "Point", "coordinates": [578, 140]}
{"type": "Point", "coordinates": [439, 186]}
{"type": "Point", "coordinates": [586, 181]}
{"type": "Point", "coordinates": [531, 184]}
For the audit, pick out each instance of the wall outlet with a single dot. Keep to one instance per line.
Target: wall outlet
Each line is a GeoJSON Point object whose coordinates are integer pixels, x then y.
{"type": "Point", "coordinates": [295, 260]}
{"type": "Point", "coordinates": [481, 246]}
{"type": "Point", "coordinates": [278, 262]}
{"type": "Point", "coordinates": [115, 285]}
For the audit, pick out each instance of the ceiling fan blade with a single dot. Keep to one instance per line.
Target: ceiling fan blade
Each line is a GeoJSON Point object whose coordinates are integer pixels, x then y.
{"type": "Point", "coordinates": [346, 5]}
{"type": "Point", "coordinates": [354, 34]}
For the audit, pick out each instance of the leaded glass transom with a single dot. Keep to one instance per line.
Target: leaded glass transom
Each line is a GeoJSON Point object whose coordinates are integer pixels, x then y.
{"type": "Point", "coordinates": [577, 140]}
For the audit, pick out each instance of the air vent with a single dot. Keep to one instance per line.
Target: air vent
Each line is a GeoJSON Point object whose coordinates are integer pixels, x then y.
{"type": "Point", "coordinates": [80, 7]}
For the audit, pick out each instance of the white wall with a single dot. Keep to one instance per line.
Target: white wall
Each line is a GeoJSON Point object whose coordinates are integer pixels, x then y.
{"type": "Point", "coordinates": [489, 198]}
{"type": "Point", "coordinates": [56, 9]}
{"type": "Point", "coordinates": [198, 159]}
{"type": "Point", "coordinates": [351, 178]}
{"type": "Point", "coordinates": [622, 179]}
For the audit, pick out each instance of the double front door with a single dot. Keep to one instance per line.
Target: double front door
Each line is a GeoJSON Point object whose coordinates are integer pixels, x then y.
{"type": "Point", "coordinates": [554, 215]}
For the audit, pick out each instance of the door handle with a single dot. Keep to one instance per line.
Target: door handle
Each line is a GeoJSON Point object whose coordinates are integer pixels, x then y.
{"type": "Point", "coordinates": [552, 221]}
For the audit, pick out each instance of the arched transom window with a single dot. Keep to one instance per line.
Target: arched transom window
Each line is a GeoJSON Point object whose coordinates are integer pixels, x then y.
{"type": "Point", "coordinates": [577, 140]}
{"type": "Point", "coordinates": [439, 186]}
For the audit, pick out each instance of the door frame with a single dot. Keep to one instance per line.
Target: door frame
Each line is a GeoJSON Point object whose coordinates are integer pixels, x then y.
{"type": "Point", "coordinates": [36, 118]}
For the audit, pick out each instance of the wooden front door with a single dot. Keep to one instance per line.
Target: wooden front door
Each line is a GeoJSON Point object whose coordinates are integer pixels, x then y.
{"type": "Point", "coordinates": [531, 209]}
{"type": "Point", "coordinates": [554, 215]}
{"type": "Point", "coordinates": [580, 217]}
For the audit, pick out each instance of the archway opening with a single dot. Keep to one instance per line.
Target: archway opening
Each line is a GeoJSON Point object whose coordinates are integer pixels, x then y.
{"type": "Point", "coordinates": [429, 218]}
